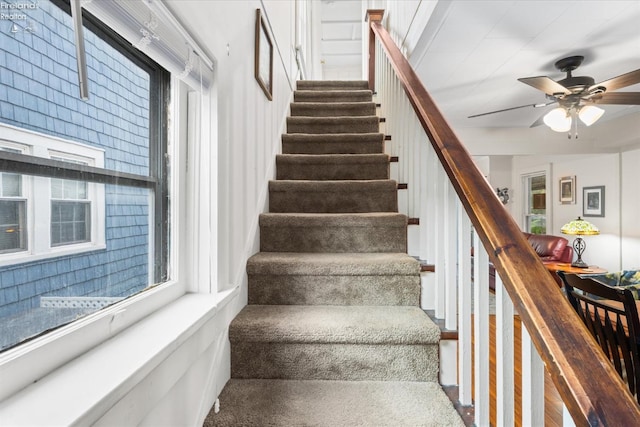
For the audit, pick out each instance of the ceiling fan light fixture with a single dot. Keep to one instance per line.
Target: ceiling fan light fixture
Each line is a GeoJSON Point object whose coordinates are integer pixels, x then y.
{"type": "Point", "coordinates": [558, 120]}
{"type": "Point", "coordinates": [590, 114]}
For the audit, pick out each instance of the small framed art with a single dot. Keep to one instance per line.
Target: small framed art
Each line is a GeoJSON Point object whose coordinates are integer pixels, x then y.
{"type": "Point", "coordinates": [567, 190]}
{"type": "Point", "coordinates": [263, 56]}
{"type": "Point", "coordinates": [593, 201]}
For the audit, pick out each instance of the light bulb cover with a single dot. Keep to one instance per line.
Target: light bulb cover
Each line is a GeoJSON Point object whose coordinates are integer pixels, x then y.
{"type": "Point", "coordinates": [558, 120]}
{"type": "Point", "coordinates": [590, 114]}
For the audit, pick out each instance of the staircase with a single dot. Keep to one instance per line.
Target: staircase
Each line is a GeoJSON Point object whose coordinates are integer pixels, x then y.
{"type": "Point", "coordinates": [333, 334]}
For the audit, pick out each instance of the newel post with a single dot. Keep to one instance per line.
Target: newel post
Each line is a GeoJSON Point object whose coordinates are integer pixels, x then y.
{"type": "Point", "coordinates": [373, 15]}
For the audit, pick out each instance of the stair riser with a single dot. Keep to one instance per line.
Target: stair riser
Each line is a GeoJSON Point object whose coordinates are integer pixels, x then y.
{"type": "Point", "coordinates": [331, 125]}
{"type": "Point", "coordinates": [333, 109]}
{"type": "Point", "coordinates": [333, 202]}
{"type": "Point", "coordinates": [333, 144]}
{"type": "Point", "coordinates": [332, 96]}
{"type": "Point", "coordinates": [307, 147]}
{"type": "Point", "coordinates": [336, 171]}
{"type": "Point", "coordinates": [354, 362]}
{"type": "Point", "coordinates": [334, 290]}
{"type": "Point", "coordinates": [332, 85]}
{"type": "Point", "coordinates": [333, 239]}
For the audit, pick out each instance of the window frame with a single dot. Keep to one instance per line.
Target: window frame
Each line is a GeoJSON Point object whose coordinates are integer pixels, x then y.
{"type": "Point", "coordinates": [23, 197]}
{"type": "Point", "coordinates": [33, 359]}
{"type": "Point", "coordinates": [525, 175]}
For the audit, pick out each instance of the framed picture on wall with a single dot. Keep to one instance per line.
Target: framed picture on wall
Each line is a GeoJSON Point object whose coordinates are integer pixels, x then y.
{"type": "Point", "coordinates": [593, 201]}
{"type": "Point", "coordinates": [263, 56]}
{"type": "Point", "coordinates": [568, 190]}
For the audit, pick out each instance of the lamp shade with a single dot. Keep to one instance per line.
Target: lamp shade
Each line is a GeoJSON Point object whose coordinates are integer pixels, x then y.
{"type": "Point", "coordinates": [558, 120]}
{"type": "Point", "coordinates": [579, 227]}
{"type": "Point", "coordinates": [590, 114]}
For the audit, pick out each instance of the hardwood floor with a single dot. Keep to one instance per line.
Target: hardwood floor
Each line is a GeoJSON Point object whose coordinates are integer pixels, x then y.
{"type": "Point", "coordinates": [553, 403]}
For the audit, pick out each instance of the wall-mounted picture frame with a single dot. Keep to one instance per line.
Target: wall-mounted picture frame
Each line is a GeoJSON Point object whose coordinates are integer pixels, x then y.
{"type": "Point", "coordinates": [263, 56]}
{"type": "Point", "coordinates": [568, 190]}
{"type": "Point", "coordinates": [593, 201]}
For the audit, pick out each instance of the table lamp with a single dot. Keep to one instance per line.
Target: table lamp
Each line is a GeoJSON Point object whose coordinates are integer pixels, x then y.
{"type": "Point", "coordinates": [579, 227]}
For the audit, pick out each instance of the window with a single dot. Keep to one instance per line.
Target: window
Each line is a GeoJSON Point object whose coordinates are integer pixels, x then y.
{"type": "Point", "coordinates": [13, 219]}
{"type": "Point", "coordinates": [116, 146]}
{"type": "Point", "coordinates": [69, 215]}
{"type": "Point", "coordinates": [535, 203]}
{"type": "Point", "coordinates": [70, 211]}
{"type": "Point", "coordinates": [83, 184]}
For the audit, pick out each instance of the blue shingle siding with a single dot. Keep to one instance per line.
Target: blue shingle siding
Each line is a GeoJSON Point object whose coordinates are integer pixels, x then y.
{"type": "Point", "coordinates": [39, 92]}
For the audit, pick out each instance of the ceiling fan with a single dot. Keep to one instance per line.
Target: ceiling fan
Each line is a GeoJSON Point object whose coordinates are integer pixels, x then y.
{"type": "Point", "coordinates": [576, 96]}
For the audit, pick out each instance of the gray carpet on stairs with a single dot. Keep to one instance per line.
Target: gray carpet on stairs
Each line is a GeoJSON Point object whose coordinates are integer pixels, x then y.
{"type": "Point", "coordinates": [332, 166]}
{"type": "Point", "coordinates": [258, 402]}
{"type": "Point", "coordinates": [338, 143]}
{"type": "Point", "coordinates": [333, 334]}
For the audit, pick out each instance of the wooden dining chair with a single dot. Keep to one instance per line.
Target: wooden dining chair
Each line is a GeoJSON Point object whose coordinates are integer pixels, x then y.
{"type": "Point", "coordinates": [611, 315]}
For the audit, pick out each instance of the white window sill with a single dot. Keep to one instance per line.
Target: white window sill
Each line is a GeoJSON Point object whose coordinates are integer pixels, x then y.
{"type": "Point", "coordinates": [93, 382]}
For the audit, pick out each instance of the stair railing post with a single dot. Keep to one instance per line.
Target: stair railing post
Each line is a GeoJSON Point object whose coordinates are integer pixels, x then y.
{"type": "Point", "coordinates": [373, 15]}
{"type": "Point", "coordinates": [481, 331]}
{"type": "Point", "coordinates": [505, 385]}
{"type": "Point", "coordinates": [464, 307]}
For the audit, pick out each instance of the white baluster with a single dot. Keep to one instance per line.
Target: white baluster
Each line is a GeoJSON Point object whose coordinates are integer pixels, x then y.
{"type": "Point", "coordinates": [464, 307]}
{"type": "Point", "coordinates": [481, 332]}
{"type": "Point", "coordinates": [532, 383]}
{"type": "Point", "coordinates": [504, 356]}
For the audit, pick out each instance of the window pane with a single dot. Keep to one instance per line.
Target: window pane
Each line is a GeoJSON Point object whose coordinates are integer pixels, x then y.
{"type": "Point", "coordinates": [56, 188]}
{"type": "Point", "coordinates": [60, 289]}
{"type": "Point", "coordinates": [535, 188]}
{"type": "Point", "coordinates": [12, 224]}
{"type": "Point", "coordinates": [70, 222]}
{"type": "Point", "coordinates": [43, 73]}
{"type": "Point", "coordinates": [11, 185]}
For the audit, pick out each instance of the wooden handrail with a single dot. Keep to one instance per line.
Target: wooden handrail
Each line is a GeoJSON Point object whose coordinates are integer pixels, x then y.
{"type": "Point", "coordinates": [588, 384]}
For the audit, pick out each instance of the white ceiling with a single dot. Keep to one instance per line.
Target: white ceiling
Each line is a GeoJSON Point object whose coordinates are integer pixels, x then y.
{"type": "Point", "coordinates": [473, 51]}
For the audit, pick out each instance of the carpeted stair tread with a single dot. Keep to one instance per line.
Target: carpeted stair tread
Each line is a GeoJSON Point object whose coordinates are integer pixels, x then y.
{"type": "Point", "coordinates": [354, 143]}
{"type": "Point", "coordinates": [342, 196]}
{"type": "Point", "coordinates": [332, 166]}
{"type": "Point", "coordinates": [316, 324]}
{"type": "Point", "coordinates": [256, 402]}
{"type": "Point", "coordinates": [322, 264]}
{"type": "Point", "coordinates": [332, 85]}
{"type": "Point", "coordinates": [333, 109]}
{"type": "Point", "coordinates": [329, 125]}
{"type": "Point", "coordinates": [332, 96]}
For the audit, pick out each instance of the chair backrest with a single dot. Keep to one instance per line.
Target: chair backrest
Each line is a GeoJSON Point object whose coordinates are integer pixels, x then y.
{"type": "Point", "coordinates": [611, 315]}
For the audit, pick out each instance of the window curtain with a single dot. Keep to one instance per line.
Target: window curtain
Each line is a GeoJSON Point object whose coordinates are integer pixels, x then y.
{"type": "Point", "coordinates": [150, 27]}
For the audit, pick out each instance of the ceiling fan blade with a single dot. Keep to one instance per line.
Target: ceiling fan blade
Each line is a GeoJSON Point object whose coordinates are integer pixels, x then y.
{"type": "Point", "coordinates": [619, 82]}
{"type": "Point", "coordinates": [513, 108]}
{"type": "Point", "coordinates": [620, 98]}
{"type": "Point", "coordinates": [546, 85]}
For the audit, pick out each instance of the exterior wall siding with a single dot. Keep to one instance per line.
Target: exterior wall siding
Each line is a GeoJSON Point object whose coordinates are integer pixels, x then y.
{"type": "Point", "coordinates": [39, 92]}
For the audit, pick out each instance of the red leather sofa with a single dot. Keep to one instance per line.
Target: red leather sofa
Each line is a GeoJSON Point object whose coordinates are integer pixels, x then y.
{"type": "Point", "coordinates": [548, 247]}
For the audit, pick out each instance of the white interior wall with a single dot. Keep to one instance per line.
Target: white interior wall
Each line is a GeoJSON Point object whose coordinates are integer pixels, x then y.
{"type": "Point", "coordinates": [248, 137]}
